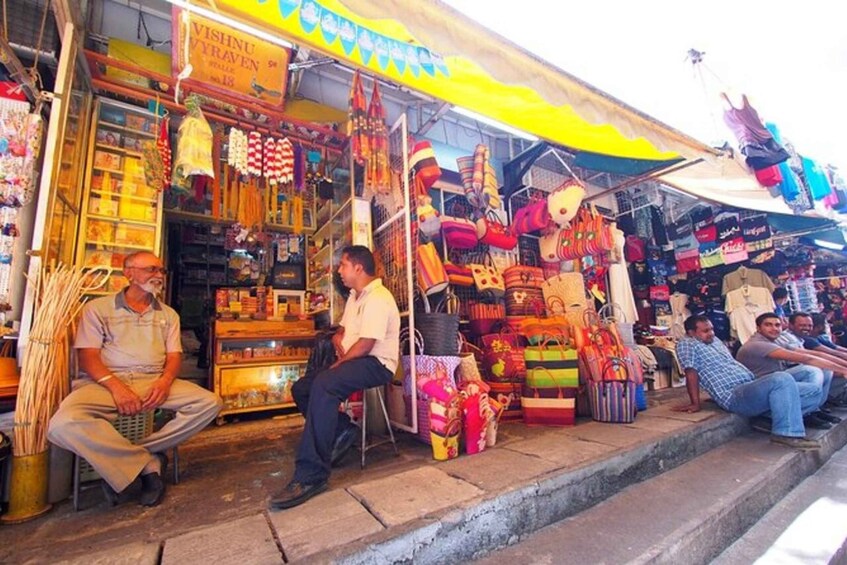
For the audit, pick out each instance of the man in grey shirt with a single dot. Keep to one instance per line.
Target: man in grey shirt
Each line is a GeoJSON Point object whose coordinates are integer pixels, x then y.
{"type": "Point", "coordinates": [129, 352]}
{"type": "Point", "coordinates": [763, 355]}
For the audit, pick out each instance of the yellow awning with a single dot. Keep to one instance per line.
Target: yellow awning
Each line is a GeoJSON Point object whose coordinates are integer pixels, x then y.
{"type": "Point", "coordinates": [435, 50]}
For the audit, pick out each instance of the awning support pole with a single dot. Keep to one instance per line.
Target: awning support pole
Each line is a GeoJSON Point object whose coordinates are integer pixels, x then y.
{"type": "Point", "coordinates": [649, 176]}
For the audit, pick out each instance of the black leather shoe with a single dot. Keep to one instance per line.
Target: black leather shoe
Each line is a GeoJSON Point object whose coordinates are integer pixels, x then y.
{"type": "Point", "coordinates": [295, 494]}
{"type": "Point", "coordinates": [826, 417]}
{"type": "Point", "coordinates": [812, 421]}
{"type": "Point", "coordinates": [109, 493]}
{"type": "Point", "coordinates": [343, 443]}
{"type": "Point", "coordinates": [152, 489]}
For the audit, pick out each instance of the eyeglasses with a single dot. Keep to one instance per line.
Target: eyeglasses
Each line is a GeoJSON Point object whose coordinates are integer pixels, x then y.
{"type": "Point", "coordinates": [151, 269]}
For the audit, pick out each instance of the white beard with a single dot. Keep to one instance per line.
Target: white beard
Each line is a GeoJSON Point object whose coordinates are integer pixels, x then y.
{"type": "Point", "coordinates": [152, 288]}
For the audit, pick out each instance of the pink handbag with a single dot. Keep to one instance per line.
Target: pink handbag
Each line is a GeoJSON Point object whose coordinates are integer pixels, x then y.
{"type": "Point", "coordinates": [532, 217]}
{"type": "Point", "coordinates": [458, 232]}
{"type": "Point", "coordinates": [491, 231]}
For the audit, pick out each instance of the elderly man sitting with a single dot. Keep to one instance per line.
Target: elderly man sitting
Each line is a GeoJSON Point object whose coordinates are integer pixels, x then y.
{"type": "Point", "coordinates": [129, 353]}
{"type": "Point", "coordinates": [733, 387]}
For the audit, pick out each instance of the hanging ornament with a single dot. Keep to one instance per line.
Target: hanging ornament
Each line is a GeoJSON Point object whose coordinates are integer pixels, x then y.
{"type": "Point", "coordinates": [254, 153]}
{"type": "Point", "coordinates": [358, 120]}
{"type": "Point", "coordinates": [270, 164]}
{"type": "Point", "coordinates": [378, 176]}
{"type": "Point", "coordinates": [286, 162]}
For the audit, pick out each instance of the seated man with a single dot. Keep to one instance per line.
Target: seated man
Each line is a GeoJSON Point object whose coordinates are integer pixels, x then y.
{"type": "Point", "coordinates": [818, 340]}
{"type": "Point", "coordinates": [763, 355]}
{"type": "Point", "coordinates": [799, 337]}
{"type": "Point", "coordinates": [367, 348]}
{"type": "Point", "coordinates": [129, 351]}
{"type": "Point", "coordinates": [707, 362]}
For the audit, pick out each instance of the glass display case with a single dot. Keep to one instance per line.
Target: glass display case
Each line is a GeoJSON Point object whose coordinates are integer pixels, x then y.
{"type": "Point", "coordinates": [256, 362]}
{"type": "Point", "coordinates": [121, 214]}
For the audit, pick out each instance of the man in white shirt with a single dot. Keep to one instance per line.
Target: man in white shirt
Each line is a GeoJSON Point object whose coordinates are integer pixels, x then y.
{"type": "Point", "coordinates": [368, 347]}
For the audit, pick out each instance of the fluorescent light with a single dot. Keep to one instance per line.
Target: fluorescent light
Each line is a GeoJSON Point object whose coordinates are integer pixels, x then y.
{"type": "Point", "coordinates": [828, 244]}
{"type": "Point", "coordinates": [494, 123]}
{"type": "Point", "coordinates": [228, 21]}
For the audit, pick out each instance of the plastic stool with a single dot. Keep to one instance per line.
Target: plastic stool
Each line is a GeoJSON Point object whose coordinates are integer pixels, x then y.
{"type": "Point", "coordinates": [365, 447]}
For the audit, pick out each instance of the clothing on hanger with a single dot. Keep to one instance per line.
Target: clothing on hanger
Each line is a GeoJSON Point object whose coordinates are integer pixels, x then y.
{"type": "Point", "coordinates": [744, 305]}
{"type": "Point", "coordinates": [744, 275]}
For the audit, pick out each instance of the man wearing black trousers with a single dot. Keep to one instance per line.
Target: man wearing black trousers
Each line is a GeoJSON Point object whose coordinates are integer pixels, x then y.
{"type": "Point", "coordinates": [367, 347]}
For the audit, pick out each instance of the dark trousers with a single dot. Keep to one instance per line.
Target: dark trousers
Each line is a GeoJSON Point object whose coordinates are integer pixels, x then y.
{"type": "Point", "coordinates": [318, 398]}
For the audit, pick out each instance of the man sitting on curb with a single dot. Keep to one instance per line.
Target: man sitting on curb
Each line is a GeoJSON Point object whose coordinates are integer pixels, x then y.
{"type": "Point", "coordinates": [733, 387]}
{"type": "Point", "coordinates": [763, 355]}
{"type": "Point", "coordinates": [818, 340]}
{"type": "Point", "coordinates": [798, 336]}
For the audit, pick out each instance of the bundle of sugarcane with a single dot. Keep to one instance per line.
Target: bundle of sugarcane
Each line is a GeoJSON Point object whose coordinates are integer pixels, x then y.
{"type": "Point", "coordinates": [44, 374]}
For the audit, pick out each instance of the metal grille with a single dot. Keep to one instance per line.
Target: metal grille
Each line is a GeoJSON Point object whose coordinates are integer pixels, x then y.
{"type": "Point", "coordinates": [392, 226]}
{"type": "Point", "coordinates": [25, 24]}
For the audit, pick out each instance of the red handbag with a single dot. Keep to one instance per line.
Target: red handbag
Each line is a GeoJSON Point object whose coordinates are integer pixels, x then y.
{"type": "Point", "coordinates": [422, 162]}
{"type": "Point", "coordinates": [634, 249]}
{"type": "Point", "coordinates": [457, 274]}
{"type": "Point", "coordinates": [491, 231]}
{"type": "Point", "coordinates": [458, 232]}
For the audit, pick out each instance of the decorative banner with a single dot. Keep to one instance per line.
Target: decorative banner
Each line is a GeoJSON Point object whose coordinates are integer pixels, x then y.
{"type": "Point", "coordinates": [412, 60]}
{"type": "Point", "coordinates": [329, 26]}
{"type": "Point", "coordinates": [381, 49]}
{"type": "Point", "coordinates": [231, 62]}
{"type": "Point", "coordinates": [395, 49]}
{"type": "Point", "coordinates": [310, 15]}
{"type": "Point", "coordinates": [366, 45]}
{"type": "Point", "coordinates": [347, 33]}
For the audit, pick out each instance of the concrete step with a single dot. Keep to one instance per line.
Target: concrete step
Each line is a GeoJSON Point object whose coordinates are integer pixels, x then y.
{"type": "Point", "coordinates": [687, 515]}
{"type": "Point", "coordinates": [501, 510]}
{"type": "Point", "coordinates": [809, 526]}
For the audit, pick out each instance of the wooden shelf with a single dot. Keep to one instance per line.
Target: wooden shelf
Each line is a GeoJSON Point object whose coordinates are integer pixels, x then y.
{"type": "Point", "coordinates": [262, 360]}
{"type": "Point", "coordinates": [121, 173]}
{"type": "Point", "coordinates": [144, 223]}
{"type": "Point", "coordinates": [121, 245]}
{"type": "Point", "coordinates": [121, 150]}
{"type": "Point", "coordinates": [124, 128]}
{"type": "Point", "coordinates": [127, 196]}
{"type": "Point", "coordinates": [323, 251]}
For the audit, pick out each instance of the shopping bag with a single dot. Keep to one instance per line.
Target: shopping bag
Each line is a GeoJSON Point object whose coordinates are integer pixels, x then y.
{"type": "Point", "coordinates": [487, 279]}
{"type": "Point", "coordinates": [555, 406]}
{"type": "Point", "coordinates": [532, 217]}
{"type": "Point", "coordinates": [613, 400]}
{"type": "Point", "coordinates": [563, 203]}
{"type": "Point", "coordinates": [551, 364]}
{"type": "Point", "coordinates": [457, 230]}
{"type": "Point", "coordinates": [432, 277]}
{"type": "Point", "coordinates": [491, 231]}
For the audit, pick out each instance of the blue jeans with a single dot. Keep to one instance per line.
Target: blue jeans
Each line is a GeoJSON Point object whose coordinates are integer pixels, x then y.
{"type": "Point", "coordinates": [813, 375]}
{"type": "Point", "coordinates": [778, 393]}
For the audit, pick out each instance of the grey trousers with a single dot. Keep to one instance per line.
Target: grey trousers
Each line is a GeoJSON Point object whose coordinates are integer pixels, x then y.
{"type": "Point", "coordinates": [83, 424]}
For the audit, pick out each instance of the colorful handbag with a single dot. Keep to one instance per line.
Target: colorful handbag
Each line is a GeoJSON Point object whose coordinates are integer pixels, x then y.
{"type": "Point", "coordinates": [503, 360]}
{"type": "Point", "coordinates": [551, 365]}
{"type": "Point", "coordinates": [432, 277]}
{"type": "Point", "coordinates": [563, 203]}
{"type": "Point", "coordinates": [508, 396]}
{"type": "Point", "coordinates": [554, 406]}
{"type": "Point", "coordinates": [532, 217]}
{"type": "Point", "coordinates": [613, 400]}
{"type": "Point", "coordinates": [490, 230]}
{"type": "Point", "coordinates": [458, 232]}
{"type": "Point", "coordinates": [458, 275]}
{"type": "Point", "coordinates": [466, 172]}
{"type": "Point", "coordinates": [483, 317]}
{"type": "Point", "coordinates": [487, 279]}
{"type": "Point", "coordinates": [520, 300]}
{"type": "Point", "coordinates": [524, 276]}
{"type": "Point", "coordinates": [425, 167]}
{"type": "Point", "coordinates": [548, 246]}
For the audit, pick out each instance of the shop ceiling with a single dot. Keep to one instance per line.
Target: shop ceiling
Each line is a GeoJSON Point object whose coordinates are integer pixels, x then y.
{"type": "Point", "coordinates": [476, 68]}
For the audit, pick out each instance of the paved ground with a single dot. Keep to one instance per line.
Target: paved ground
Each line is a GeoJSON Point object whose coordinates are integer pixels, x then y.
{"type": "Point", "coordinates": [218, 512]}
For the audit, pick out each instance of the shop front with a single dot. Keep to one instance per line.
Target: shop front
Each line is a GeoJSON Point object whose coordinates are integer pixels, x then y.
{"type": "Point", "coordinates": [543, 242]}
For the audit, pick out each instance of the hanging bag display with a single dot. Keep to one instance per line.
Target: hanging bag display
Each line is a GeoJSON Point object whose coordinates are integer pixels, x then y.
{"type": "Point", "coordinates": [548, 246]}
{"type": "Point", "coordinates": [432, 277]}
{"type": "Point", "coordinates": [483, 317]}
{"type": "Point", "coordinates": [568, 287]}
{"type": "Point", "coordinates": [487, 279]}
{"type": "Point", "coordinates": [424, 166]}
{"type": "Point", "coordinates": [503, 360]}
{"type": "Point", "coordinates": [466, 172]}
{"type": "Point", "coordinates": [490, 230]}
{"type": "Point", "coordinates": [528, 275]}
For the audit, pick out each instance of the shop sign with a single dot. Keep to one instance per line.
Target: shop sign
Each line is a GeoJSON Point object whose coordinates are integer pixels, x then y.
{"type": "Point", "coordinates": [230, 61]}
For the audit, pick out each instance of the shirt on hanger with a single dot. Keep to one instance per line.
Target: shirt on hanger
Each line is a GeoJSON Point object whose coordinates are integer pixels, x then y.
{"type": "Point", "coordinates": [744, 275]}
{"type": "Point", "coordinates": [744, 305]}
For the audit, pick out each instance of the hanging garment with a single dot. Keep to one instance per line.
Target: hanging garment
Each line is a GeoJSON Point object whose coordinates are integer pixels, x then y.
{"type": "Point", "coordinates": [744, 305]}
{"type": "Point", "coordinates": [754, 140]}
{"type": "Point", "coordinates": [701, 217]}
{"type": "Point", "coordinates": [358, 120]}
{"type": "Point", "coordinates": [756, 233]}
{"type": "Point", "coordinates": [680, 229]}
{"type": "Point", "coordinates": [679, 312]}
{"type": "Point", "coordinates": [657, 224]}
{"type": "Point", "coordinates": [816, 179]}
{"type": "Point", "coordinates": [619, 284]}
{"type": "Point", "coordinates": [194, 145]}
{"type": "Point", "coordinates": [745, 276]}
{"type": "Point", "coordinates": [378, 174]}
{"type": "Point", "coordinates": [728, 229]}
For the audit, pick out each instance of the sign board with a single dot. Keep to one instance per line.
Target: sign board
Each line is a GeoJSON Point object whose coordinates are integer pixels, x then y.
{"type": "Point", "coordinates": [230, 61]}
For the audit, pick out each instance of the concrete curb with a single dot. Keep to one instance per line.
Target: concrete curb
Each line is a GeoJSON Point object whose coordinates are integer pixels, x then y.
{"type": "Point", "coordinates": [482, 525]}
{"type": "Point", "coordinates": [702, 539]}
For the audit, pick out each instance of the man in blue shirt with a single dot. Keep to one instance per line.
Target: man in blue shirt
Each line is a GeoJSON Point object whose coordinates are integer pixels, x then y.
{"type": "Point", "coordinates": [733, 387]}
